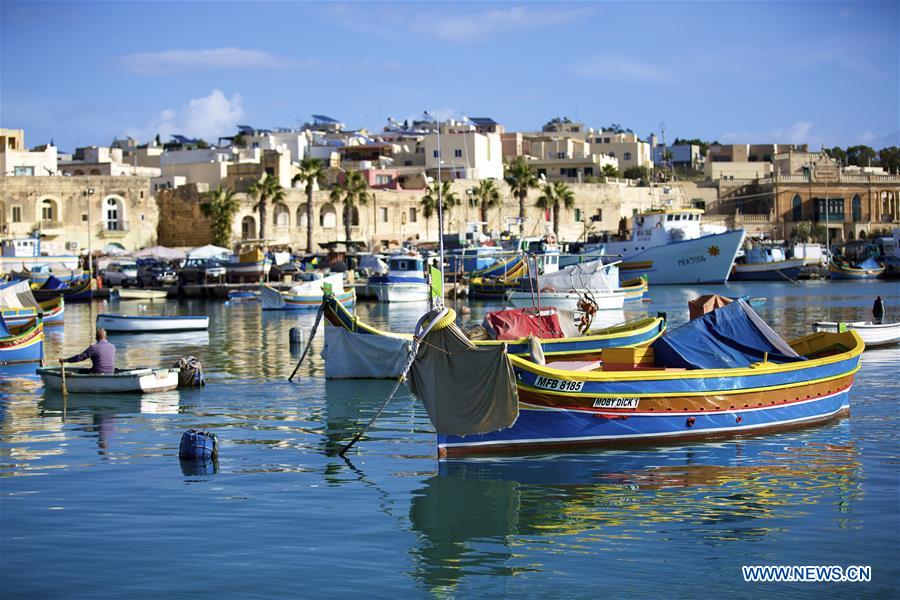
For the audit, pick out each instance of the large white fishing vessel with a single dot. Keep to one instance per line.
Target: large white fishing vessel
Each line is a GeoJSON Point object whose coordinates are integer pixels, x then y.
{"type": "Point", "coordinates": [670, 247]}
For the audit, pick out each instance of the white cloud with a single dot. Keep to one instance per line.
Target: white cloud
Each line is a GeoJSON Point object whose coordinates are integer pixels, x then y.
{"type": "Point", "coordinates": [801, 132]}
{"type": "Point", "coordinates": [474, 26]}
{"type": "Point", "coordinates": [207, 118]}
{"type": "Point", "coordinates": [618, 68]}
{"type": "Point", "coordinates": [158, 63]}
{"type": "Point", "coordinates": [878, 141]}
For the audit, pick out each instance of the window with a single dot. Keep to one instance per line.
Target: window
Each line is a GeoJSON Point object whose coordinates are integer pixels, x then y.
{"type": "Point", "coordinates": [112, 214]}
{"type": "Point", "coordinates": [578, 215]}
{"type": "Point", "coordinates": [84, 217]}
{"type": "Point", "coordinates": [301, 216]}
{"type": "Point", "coordinates": [605, 140]}
{"type": "Point", "coordinates": [437, 154]}
{"type": "Point", "coordinates": [407, 163]}
{"type": "Point", "coordinates": [598, 140]}
{"type": "Point", "coordinates": [796, 208]}
{"type": "Point", "coordinates": [248, 228]}
{"type": "Point", "coordinates": [628, 156]}
{"type": "Point", "coordinates": [16, 214]}
{"type": "Point", "coordinates": [383, 211]}
{"type": "Point", "coordinates": [412, 214]}
{"type": "Point", "coordinates": [47, 210]}
{"type": "Point", "coordinates": [560, 155]}
{"type": "Point", "coordinates": [611, 155]}
{"type": "Point", "coordinates": [23, 171]}
{"type": "Point", "coordinates": [542, 172]}
{"type": "Point", "coordinates": [856, 208]}
{"type": "Point", "coordinates": [457, 153]}
{"type": "Point", "coordinates": [589, 171]}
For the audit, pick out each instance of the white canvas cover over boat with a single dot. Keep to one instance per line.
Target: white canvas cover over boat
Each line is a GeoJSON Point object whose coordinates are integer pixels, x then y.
{"type": "Point", "coordinates": [591, 275]}
{"type": "Point", "coordinates": [17, 294]}
{"type": "Point", "coordinates": [465, 389]}
{"type": "Point", "coordinates": [314, 288]}
{"type": "Point", "coordinates": [160, 252]}
{"type": "Point", "coordinates": [351, 355]}
{"type": "Point", "coordinates": [209, 251]}
{"type": "Point", "coordinates": [373, 264]}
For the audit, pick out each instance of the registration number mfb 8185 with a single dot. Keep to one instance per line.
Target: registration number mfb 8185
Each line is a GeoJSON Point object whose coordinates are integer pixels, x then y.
{"type": "Point", "coordinates": [558, 384]}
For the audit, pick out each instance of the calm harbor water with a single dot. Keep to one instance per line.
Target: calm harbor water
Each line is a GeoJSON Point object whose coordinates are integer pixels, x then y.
{"type": "Point", "coordinates": [94, 502]}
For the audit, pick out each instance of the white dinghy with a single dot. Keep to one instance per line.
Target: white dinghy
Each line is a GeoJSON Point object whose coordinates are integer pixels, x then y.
{"type": "Point", "coordinates": [873, 334]}
{"type": "Point", "coordinates": [82, 381]}
{"type": "Point", "coordinates": [151, 324]}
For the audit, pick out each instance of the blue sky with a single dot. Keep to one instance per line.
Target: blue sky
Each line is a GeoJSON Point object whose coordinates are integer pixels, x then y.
{"type": "Point", "coordinates": [815, 72]}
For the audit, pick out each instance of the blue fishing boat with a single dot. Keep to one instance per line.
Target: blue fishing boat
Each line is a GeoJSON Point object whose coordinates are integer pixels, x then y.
{"type": "Point", "coordinates": [75, 291]}
{"type": "Point", "coordinates": [404, 281]}
{"type": "Point", "coordinates": [721, 375]}
{"type": "Point", "coordinates": [21, 343]}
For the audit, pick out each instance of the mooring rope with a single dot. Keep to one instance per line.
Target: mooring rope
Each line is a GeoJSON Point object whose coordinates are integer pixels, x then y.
{"type": "Point", "coordinates": [440, 320]}
{"type": "Point", "coordinates": [312, 334]}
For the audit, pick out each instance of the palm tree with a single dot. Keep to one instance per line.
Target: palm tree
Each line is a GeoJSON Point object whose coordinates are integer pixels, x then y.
{"type": "Point", "coordinates": [610, 170]}
{"type": "Point", "coordinates": [312, 172]}
{"type": "Point", "coordinates": [351, 192]}
{"type": "Point", "coordinates": [553, 195]}
{"type": "Point", "coordinates": [221, 206]}
{"type": "Point", "coordinates": [486, 196]}
{"type": "Point", "coordinates": [269, 189]}
{"type": "Point", "coordinates": [521, 178]}
{"type": "Point", "coordinates": [429, 202]}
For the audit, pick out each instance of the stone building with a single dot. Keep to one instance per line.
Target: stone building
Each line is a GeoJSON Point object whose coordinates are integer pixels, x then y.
{"type": "Point", "coordinates": [72, 213]}
{"type": "Point", "coordinates": [392, 216]}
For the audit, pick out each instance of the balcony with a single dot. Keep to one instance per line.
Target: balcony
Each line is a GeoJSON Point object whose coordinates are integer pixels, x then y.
{"type": "Point", "coordinates": [49, 227]}
{"type": "Point", "coordinates": [113, 229]}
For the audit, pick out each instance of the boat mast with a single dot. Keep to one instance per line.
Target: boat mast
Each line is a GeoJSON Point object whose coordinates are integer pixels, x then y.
{"type": "Point", "coordinates": [440, 185]}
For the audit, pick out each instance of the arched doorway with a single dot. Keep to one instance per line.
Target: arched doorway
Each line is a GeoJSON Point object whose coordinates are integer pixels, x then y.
{"type": "Point", "coordinates": [856, 208]}
{"type": "Point", "coordinates": [796, 208]}
{"type": "Point", "coordinates": [248, 228]}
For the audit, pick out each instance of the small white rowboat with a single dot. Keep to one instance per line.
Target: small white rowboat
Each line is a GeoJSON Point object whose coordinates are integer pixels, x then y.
{"type": "Point", "coordinates": [873, 334]}
{"type": "Point", "coordinates": [82, 381]}
{"type": "Point", "coordinates": [131, 294]}
{"type": "Point", "coordinates": [148, 324]}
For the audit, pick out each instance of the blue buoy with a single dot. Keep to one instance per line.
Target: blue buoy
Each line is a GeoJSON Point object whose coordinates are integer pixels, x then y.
{"type": "Point", "coordinates": [198, 445]}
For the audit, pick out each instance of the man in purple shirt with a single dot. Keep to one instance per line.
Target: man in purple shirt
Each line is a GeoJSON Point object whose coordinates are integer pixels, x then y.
{"type": "Point", "coordinates": [102, 355]}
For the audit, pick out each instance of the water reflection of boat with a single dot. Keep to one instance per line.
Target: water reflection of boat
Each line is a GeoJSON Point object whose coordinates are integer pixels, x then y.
{"type": "Point", "coordinates": [476, 515]}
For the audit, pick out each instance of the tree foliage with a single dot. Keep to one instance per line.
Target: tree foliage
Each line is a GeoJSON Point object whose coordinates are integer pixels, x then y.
{"type": "Point", "coordinates": [438, 190]}
{"type": "Point", "coordinates": [637, 172]}
{"type": "Point", "coordinates": [351, 191]}
{"type": "Point", "coordinates": [554, 196]}
{"type": "Point", "coordinates": [267, 190]}
{"type": "Point", "coordinates": [312, 173]}
{"type": "Point", "coordinates": [610, 171]}
{"type": "Point", "coordinates": [890, 159]}
{"type": "Point", "coordinates": [486, 196]}
{"type": "Point", "coordinates": [221, 206]}
{"type": "Point", "coordinates": [808, 232]}
{"type": "Point", "coordinates": [521, 178]}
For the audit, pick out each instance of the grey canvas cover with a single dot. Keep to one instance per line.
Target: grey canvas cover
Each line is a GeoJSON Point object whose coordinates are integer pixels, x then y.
{"type": "Point", "coordinates": [465, 389]}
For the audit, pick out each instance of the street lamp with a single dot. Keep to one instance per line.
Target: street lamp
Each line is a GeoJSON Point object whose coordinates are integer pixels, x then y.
{"type": "Point", "coordinates": [87, 194]}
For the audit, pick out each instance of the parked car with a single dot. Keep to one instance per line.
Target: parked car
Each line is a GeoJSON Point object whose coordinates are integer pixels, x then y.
{"type": "Point", "coordinates": [201, 270]}
{"type": "Point", "coordinates": [154, 272]}
{"type": "Point", "coordinates": [120, 274]}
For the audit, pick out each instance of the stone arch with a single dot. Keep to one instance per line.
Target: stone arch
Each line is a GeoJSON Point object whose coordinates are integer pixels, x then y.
{"type": "Point", "coordinates": [301, 216]}
{"type": "Point", "coordinates": [112, 211]}
{"type": "Point", "coordinates": [95, 171]}
{"type": "Point", "coordinates": [281, 215]}
{"type": "Point", "coordinates": [78, 172]}
{"type": "Point", "coordinates": [354, 216]}
{"type": "Point", "coordinates": [328, 216]}
{"type": "Point", "coordinates": [48, 208]}
{"type": "Point", "coordinates": [248, 227]}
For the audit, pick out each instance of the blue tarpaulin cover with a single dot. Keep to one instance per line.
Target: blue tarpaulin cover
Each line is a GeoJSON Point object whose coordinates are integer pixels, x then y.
{"type": "Point", "coordinates": [869, 263]}
{"type": "Point", "coordinates": [728, 337]}
{"type": "Point", "coordinates": [53, 283]}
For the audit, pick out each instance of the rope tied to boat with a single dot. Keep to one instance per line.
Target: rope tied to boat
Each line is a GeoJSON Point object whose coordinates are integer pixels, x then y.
{"type": "Point", "coordinates": [312, 334]}
{"type": "Point", "coordinates": [442, 319]}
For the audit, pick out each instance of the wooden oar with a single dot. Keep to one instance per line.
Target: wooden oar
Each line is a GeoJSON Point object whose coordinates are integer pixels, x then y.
{"type": "Point", "coordinates": [62, 368]}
